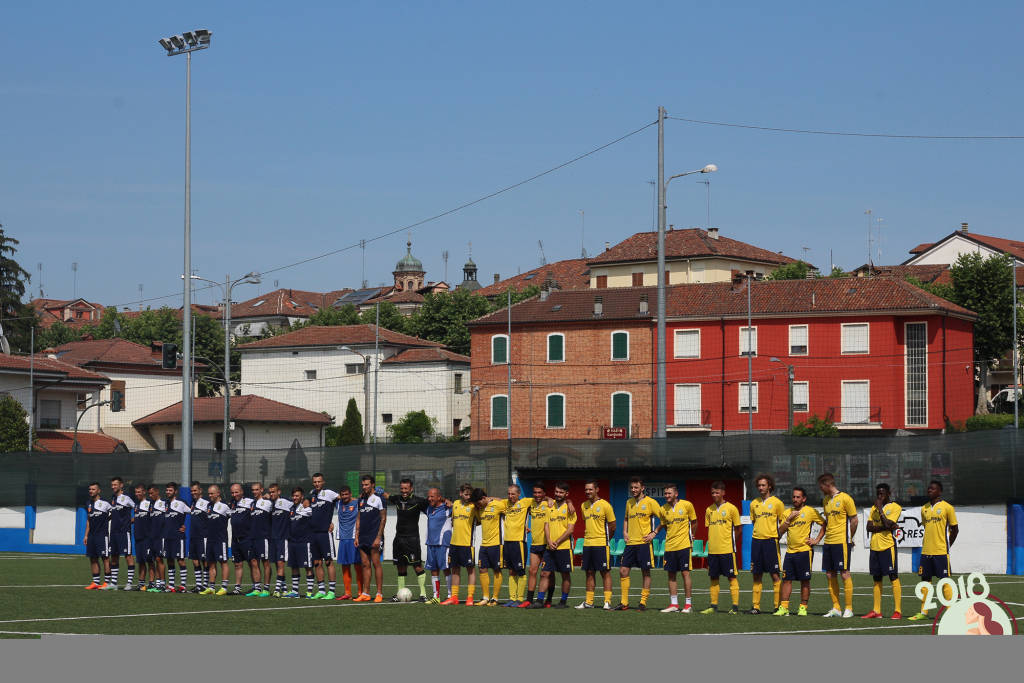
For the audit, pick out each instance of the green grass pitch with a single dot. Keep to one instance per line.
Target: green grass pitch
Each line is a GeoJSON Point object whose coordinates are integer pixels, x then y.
{"type": "Point", "coordinates": [41, 594]}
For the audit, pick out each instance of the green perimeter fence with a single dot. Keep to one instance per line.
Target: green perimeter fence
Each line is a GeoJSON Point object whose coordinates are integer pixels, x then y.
{"type": "Point", "coordinates": [976, 468]}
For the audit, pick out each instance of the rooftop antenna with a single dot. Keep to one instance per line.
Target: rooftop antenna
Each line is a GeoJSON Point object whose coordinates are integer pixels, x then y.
{"type": "Point", "coordinates": [362, 245]}
{"type": "Point", "coordinates": [870, 264]}
{"type": "Point", "coordinates": [444, 257]}
{"type": "Point", "coordinates": [805, 250]}
{"type": "Point", "coordinates": [140, 296]}
{"type": "Point", "coordinates": [707, 186]}
{"type": "Point", "coordinates": [543, 260]}
{"type": "Point", "coordinates": [878, 239]}
{"type": "Point", "coordinates": [74, 271]}
{"type": "Point", "coordinates": [39, 267]}
{"type": "Point", "coordinates": [583, 233]}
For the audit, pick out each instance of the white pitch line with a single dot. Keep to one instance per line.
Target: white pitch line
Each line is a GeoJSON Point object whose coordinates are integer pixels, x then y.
{"type": "Point", "coordinates": [46, 633]}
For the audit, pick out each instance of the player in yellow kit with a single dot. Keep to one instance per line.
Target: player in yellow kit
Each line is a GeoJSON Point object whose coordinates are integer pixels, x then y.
{"type": "Point", "coordinates": [639, 531]}
{"type": "Point", "coordinates": [677, 518]}
{"type": "Point", "coordinates": [796, 524]}
{"type": "Point", "coordinates": [940, 530]}
{"type": "Point", "coordinates": [722, 519]}
{"type": "Point", "coordinates": [558, 556]}
{"type": "Point", "coordinates": [766, 514]}
{"type": "Point", "coordinates": [490, 511]}
{"type": "Point", "coordinates": [883, 520]}
{"type": "Point", "coordinates": [514, 554]}
{"type": "Point", "coordinates": [460, 552]}
{"type": "Point", "coordinates": [599, 519]}
{"type": "Point", "coordinates": [538, 518]}
{"type": "Point", "coordinates": [841, 514]}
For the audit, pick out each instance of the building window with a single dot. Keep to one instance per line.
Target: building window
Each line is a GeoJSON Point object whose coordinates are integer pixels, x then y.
{"type": "Point", "coordinates": [49, 414]}
{"type": "Point", "coordinates": [622, 410]}
{"type": "Point", "coordinates": [499, 349]}
{"type": "Point", "coordinates": [602, 281]}
{"type": "Point", "coordinates": [218, 441]}
{"type": "Point", "coordinates": [748, 397]}
{"type": "Point", "coordinates": [668, 276]}
{"type": "Point", "coordinates": [638, 279]}
{"type": "Point", "coordinates": [458, 382]}
{"type": "Point", "coordinates": [499, 411]}
{"type": "Point", "coordinates": [386, 418]}
{"type": "Point", "coordinates": [556, 347]}
{"type": "Point", "coordinates": [917, 373]}
{"type": "Point", "coordinates": [81, 401]}
{"type": "Point", "coordinates": [169, 442]}
{"type": "Point", "coordinates": [620, 345]}
{"type": "Point", "coordinates": [697, 272]}
{"type": "Point", "coordinates": [748, 341]}
{"type": "Point", "coordinates": [555, 411]}
{"type": "Point", "coordinates": [801, 397]}
{"type": "Point", "coordinates": [310, 374]}
{"type": "Point", "coordinates": [687, 344]}
{"type": "Point", "coordinates": [856, 402]}
{"type": "Point", "coordinates": [798, 340]}
{"type": "Point", "coordinates": [353, 368]}
{"type": "Point", "coordinates": [687, 405]}
{"type": "Point", "coordinates": [855, 338]}
{"type": "Point", "coordinates": [456, 426]}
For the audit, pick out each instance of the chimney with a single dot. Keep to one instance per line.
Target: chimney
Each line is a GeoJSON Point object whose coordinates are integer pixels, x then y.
{"type": "Point", "coordinates": [544, 295]}
{"type": "Point", "coordinates": [607, 246]}
{"type": "Point", "coordinates": [497, 278]}
{"type": "Point", "coordinates": [671, 227]}
{"type": "Point", "coordinates": [598, 306]}
{"type": "Point", "coordinates": [713, 233]}
{"type": "Point", "coordinates": [643, 304]}
{"type": "Point", "coordinates": [963, 227]}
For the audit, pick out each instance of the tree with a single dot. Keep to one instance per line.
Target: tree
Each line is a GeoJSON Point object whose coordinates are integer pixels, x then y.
{"type": "Point", "coordinates": [937, 288]}
{"type": "Point", "coordinates": [13, 426]}
{"type": "Point", "coordinates": [56, 335]}
{"type": "Point", "coordinates": [415, 427]}
{"type": "Point", "coordinates": [350, 433]}
{"type": "Point", "coordinates": [837, 272]}
{"type": "Point", "coordinates": [444, 315]}
{"type": "Point", "coordinates": [790, 271]}
{"type": "Point", "coordinates": [815, 426]}
{"type": "Point", "coordinates": [390, 317]}
{"type": "Point", "coordinates": [18, 318]}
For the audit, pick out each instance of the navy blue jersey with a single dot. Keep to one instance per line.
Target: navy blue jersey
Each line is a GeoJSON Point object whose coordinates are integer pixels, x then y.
{"type": "Point", "coordinates": [369, 518]}
{"type": "Point", "coordinates": [200, 519]}
{"type": "Point", "coordinates": [240, 518]}
{"type": "Point", "coordinates": [321, 503]}
{"type": "Point", "coordinates": [121, 514]}
{"type": "Point", "coordinates": [157, 510]}
{"type": "Point", "coordinates": [174, 519]}
{"type": "Point", "coordinates": [217, 522]}
{"type": "Point", "coordinates": [280, 519]}
{"type": "Point", "coordinates": [301, 529]}
{"type": "Point", "coordinates": [259, 519]}
{"type": "Point", "coordinates": [99, 518]}
{"type": "Point", "coordinates": [141, 522]}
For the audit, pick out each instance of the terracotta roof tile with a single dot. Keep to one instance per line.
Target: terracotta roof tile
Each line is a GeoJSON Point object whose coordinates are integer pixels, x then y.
{"type": "Point", "coordinates": [569, 274]}
{"type": "Point", "coordinates": [335, 336]}
{"type": "Point", "coordinates": [686, 243]}
{"type": "Point", "coordinates": [923, 247]}
{"type": "Point", "coordinates": [1013, 247]}
{"type": "Point", "coordinates": [620, 303]}
{"type": "Point", "coordinates": [929, 274]}
{"type": "Point", "coordinates": [294, 303]}
{"type": "Point", "coordinates": [44, 364]}
{"type": "Point", "coordinates": [247, 408]}
{"type": "Point", "coordinates": [433, 355]}
{"type": "Point", "coordinates": [89, 442]}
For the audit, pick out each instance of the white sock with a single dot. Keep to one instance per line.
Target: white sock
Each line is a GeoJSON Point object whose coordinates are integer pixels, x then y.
{"type": "Point", "coordinates": [673, 600]}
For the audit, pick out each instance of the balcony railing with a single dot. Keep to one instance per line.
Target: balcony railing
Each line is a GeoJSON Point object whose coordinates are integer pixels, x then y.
{"type": "Point", "coordinates": [691, 418]}
{"type": "Point", "coordinates": [855, 416]}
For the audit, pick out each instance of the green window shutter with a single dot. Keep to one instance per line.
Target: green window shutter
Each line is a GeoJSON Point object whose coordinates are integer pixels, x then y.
{"type": "Point", "coordinates": [620, 410]}
{"type": "Point", "coordinates": [556, 348]}
{"type": "Point", "coordinates": [499, 350]}
{"type": "Point", "coordinates": [556, 410]}
{"type": "Point", "coordinates": [499, 412]}
{"type": "Point", "coordinates": [620, 346]}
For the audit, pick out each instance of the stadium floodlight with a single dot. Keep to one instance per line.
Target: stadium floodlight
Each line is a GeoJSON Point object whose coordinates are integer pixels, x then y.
{"type": "Point", "coordinates": [190, 38]}
{"type": "Point", "coordinates": [166, 44]}
{"type": "Point", "coordinates": [203, 35]}
{"type": "Point", "coordinates": [178, 42]}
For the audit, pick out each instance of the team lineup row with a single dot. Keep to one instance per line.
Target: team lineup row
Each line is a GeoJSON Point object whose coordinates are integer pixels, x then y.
{"type": "Point", "coordinates": [271, 532]}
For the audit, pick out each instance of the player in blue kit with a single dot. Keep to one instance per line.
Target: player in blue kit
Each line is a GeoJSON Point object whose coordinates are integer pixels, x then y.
{"type": "Point", "coordinates": [370, 536]}
{"type": "Point", "coordinates": [348, 548]}
{"type": "Point", "coordinates": [259, 542]}
{"type": "Point", "coordinates": [240, 523]}
{"type": "Point", "coordinates": [157, 508]}
{"type": "Point", "coordinates": [122, 507]}
{"type": "Point", "coordinates": [218, 516]}
{"type": "Point", "coordinates": [439, 537]}
{"type": "Point", "coordinates": [280, 527]}
{"type": "Point", "coordinates": [140, 527]}
{"type": "Point", "coordinates": [322, 502]}
{"type": "Point", "coordinates": [198, 537]}
{"type": "Point", "coordinates": [300, 551]}
{"type": "Point", "coordinates": [97, 540]}
{"type": "Point", "coordinates": [174, 538]}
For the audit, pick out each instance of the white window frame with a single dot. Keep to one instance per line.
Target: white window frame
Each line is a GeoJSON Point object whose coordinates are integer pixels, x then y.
{"type": "Point", "coordinates": [508, 349]}
{"type": "Point", "coordinates": [547, 347]}
{"type": "Point", "coordinates": [611, 342]}
{"type": "Point", "coordinates": [508, 416]}
{"type": "Point", "coordinates": [547, 407]}
{"type": "Point", "coordinates": [806, 409]}
{"type": "Point", "coordinates": [742, 396]}
{"type": "Point", "coordinates": [807, 340]}
{"type": "Point", "coordinates": [842, 349]}
{"type": "Point", "coordinates": [743, 340]}
{"type": "Point", "coordinates": [675, 337]}
{"type": "Point", "coordinates": [611, 408]}
{"type": "Point", "coordinates": [906, 358]}
{"type": "Point", "coordinates": [700, 402]}
{"type": "Point", "coordinates": [842, 408]}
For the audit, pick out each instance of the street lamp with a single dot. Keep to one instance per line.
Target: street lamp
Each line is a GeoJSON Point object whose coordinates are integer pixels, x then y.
{"type": "Point", "coordinates": [252, 278]}
{"type": "Point", "coordinates": [186, 44]}
{"type": "Point", "coordinates": [789, 376]}
{"type": "Point", "coordinates": [366, 391]}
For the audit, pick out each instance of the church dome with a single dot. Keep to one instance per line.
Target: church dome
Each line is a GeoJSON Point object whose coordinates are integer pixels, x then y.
{"type": "Point", "coordinates": [409, 263]}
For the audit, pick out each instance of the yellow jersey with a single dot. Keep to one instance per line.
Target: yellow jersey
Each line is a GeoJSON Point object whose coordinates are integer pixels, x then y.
{"type": "Point", "coordinates": [490, 522]}
{"type": "Point", "coordinates": [559, 520]}
{"type": "Point", "coordinates": [837, 510]}
{"type": "Point", "coordinates": [721, 522]}
{"type": "Point", "coordinates": [800, 528]}
{"type": "Point", "coordinates": [883, 540]}
{"type": "Point", "coordinates": [640, 516]}
{"type": "Point", "coordinates": [596, 515]}
{"type": "Point", "coordinates": [766, 516]}
{"type": "Point", "coordinates": [515, 518]}
{"type": "Point", "coordinates": [678, 521]}
{"type": "Point", "coordinates": [937, 519]}
{"type": "Point", "coordinates": [464, 515]}
{"type": "Point", "coordinates": [538, 518]}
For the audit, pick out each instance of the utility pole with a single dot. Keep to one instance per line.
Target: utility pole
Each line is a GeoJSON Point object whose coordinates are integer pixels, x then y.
{"type": "Point", "coordinates": [1016, 350]}
{"type": "Point", "coordinates": [660, 432]}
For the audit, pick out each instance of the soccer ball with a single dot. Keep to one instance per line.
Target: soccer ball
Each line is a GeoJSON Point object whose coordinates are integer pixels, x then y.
{"type": "Point", "coordinates": [404, 595]}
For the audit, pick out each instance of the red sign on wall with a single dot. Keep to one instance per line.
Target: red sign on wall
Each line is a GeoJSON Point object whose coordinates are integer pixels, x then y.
{"type": "Point", "coordinates": [615, 432]}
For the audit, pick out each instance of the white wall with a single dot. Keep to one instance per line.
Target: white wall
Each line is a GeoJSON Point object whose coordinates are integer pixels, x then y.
{"type": "Point", "coordinates": [423, 386]}
{"type": "Point", "coordinates": [948, 252]}
{"type": "Point", "coordinates": [257, 435]}
{"type": "Point", "coordinates": [12, 517]}
{"type": "Point", "coordinates": [144, 395]}
{"type": "Point", "coordinates": [55, 525]}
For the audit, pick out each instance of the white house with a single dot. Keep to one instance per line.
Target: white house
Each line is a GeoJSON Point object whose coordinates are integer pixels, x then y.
{"type": "Point", "coordinates": [321, 368]}
{"type": "Point", "coordinates": [963, 241]}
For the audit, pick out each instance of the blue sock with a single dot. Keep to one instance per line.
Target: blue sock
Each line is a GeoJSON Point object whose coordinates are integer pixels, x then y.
{"type": "Point", "coordinates": [540, 596]}
{"type": "Point", "coordinates": [565, 597]}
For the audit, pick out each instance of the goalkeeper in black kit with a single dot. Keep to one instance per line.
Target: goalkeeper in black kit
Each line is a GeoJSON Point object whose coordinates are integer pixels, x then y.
{"type": "Point", "coordinates": [406, 548]}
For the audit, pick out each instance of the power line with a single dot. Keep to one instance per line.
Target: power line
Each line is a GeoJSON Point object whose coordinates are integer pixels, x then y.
{"type": "Point", "coordinates": [846, 133]}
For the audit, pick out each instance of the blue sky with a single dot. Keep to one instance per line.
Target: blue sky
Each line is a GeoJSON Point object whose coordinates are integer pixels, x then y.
{"type": "Point", "coordinates": [317, 125]}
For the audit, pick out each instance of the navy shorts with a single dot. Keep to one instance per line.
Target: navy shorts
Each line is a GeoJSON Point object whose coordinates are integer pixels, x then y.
{"type": "Point", "coordinates": [278, 550]}
{"type": "Point", "coordinates": [216, 550]}
{"type": "Point", "coordinates": [883, 563]}
{"type": "Point", "coordinates": [366, 548]}
{"type": "Point", "coordinates": [300, 554]}
{"type": "Point", "coordinates": [323, 546]}
{"type": "Point", "coordinates": [764, 556]}
{"type": "Point", "coordinates": [722, 565]}
{"type": "Point", "coordinates": [933, 567]}
{"type": "Point", "coordinates": [142, 553]}
{"type": "Point", "coordinates": [835, 557]}
{"type": "Point", "coordinates": [460, 556]}
{"type": "Point", "coordinates": [637, 556]}
{"type": "Point", "coordinates": [557, 561]}
{"type": "Point", "coordinates": [197, 548]}
{"type": "Point", "coordinates": [538, 550]}
{"type": "Point", "coordinates": [97, 546]}
{"type": "Point", "coordinates": [490, 557]}
{"type": "Point", "coordinates": [512, 555]}
{"type": "Point", "coordinates": [259, 549]}
{"type": "Point", "coordinates": [407, 549]}
{"type": "Point", "coordinates": [348, 553]}
{"type": "Point", "coordinates": [596, 558]}
{"type": "Point", "coordinates": [677, 560]}
{"type": "Point", "coordinates": [156, 548]}
{"type": "Point", "coordinates": [239, 550]}
{"type": "Point", "coordinates": [121, 544]}
{"type": "Point", "coordinates": [797, 566]}
{"type": "Point", "coordinates": [174, 548]}
{"type": "Point", "coordinates": [437, 557]}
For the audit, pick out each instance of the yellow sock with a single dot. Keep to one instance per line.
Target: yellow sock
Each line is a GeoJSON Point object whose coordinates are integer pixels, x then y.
{"type": "Point", "coordinates": [624, 590]}
{"type": "Point", "coordinates": [590, 597]}
{"type": "Point", "coordinates": [497, 585]}
{"type": "Point", "coordinates": [833, 591]}
{"type": "Point", "coordinates": [485, 583]}
{"type": "Point", "coordinates": [876, 592]}
{"type": "Point", "coordinates": [455, 591]}
{"type": "Point", "coordinates": [644, 594]}
{"type": "Point", "coordinates": [756, 600]}
{"type": "Point", "coordinates": [714, 593]}
{"type": "Point", "coordinates": [784, 605]}
{"type": "Point", "coordinates": [776, 588]}
{"type": "Point", "coordinates": [734, 590]}
{"type": "Point", "coordinates": [608, 597]}
{"type": "Point", "coordinates": [897, 595]}
{"type": "Point", "coordinates": [923, 610]}
{"type": "Point", "coordinates": [848, 592]}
